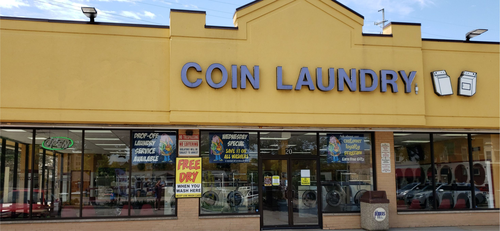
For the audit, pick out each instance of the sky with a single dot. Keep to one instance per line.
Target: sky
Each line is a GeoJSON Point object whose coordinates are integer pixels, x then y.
{"type": "Point", "coordinates": [440, 19]}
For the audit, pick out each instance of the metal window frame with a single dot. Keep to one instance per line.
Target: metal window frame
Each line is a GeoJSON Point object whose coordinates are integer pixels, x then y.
{"type": "Point", "coordinates": [317, 157]}
{"type": "Point", "coordinates": [373, 142]}
{"type": "Point", "coordinates": [433, 166]}
{"type": "Point", "coordinates": [259, 182]}
{"type": "Point", "coordinates": [131, 164]}
{"type": "Point", "coordinates": [30, 182]}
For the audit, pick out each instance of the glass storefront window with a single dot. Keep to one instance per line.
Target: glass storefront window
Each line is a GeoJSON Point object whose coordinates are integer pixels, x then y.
{"type": "Point", "coordinates": [57, 179]}
{"type": "Point", "coordinates": [345, 170]}
{"type": "Point", "coordinates": [288, 143]}
{"type": "Point", "coordinates": [153, 179]}
{"type": "Point", "coordinates": [230, 172]}
{"type": "Point", "coordinates": [69, 174]}
{"type": "Point", "coordinates": [63, 189]}
{"type": "Point", "coordinates": [15, 154]}
{"type": "Point", "coordinates": [451, 157]}
{"type": "Point", "coordinates": [106, 173]}
{"type": "Point", "coordinates": [413, 171]}
{"type": "Point", "coordinates": [459, 182]}
{"type": "Point", "coordinates": [486, 169]}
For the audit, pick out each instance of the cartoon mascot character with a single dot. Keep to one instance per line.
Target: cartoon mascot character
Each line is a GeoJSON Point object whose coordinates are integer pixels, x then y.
{"type": "Point", "coordinates": [166, 147]}
{"type": "Point", "coordinates": [217, 147]}
{"type": "Point", "coordinates": [334, 149]}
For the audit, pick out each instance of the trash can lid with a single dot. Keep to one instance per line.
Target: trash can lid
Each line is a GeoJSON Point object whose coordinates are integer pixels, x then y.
{"type": "Point", "coordinates": [374, 197]}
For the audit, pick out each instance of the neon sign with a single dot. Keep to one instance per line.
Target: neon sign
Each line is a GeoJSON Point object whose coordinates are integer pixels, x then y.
{"type": "Point", "coordinates": [57, 143]}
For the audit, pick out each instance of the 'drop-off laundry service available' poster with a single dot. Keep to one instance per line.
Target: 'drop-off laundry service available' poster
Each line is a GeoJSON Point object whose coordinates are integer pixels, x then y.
{"type": "Point", "coordinates": [154, 147]}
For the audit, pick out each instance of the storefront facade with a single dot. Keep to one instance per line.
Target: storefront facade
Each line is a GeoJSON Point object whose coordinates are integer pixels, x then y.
{"type": "Point", "coordinates": [93, 117]}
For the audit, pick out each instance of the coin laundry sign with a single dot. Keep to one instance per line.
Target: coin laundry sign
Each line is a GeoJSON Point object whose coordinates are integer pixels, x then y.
{"type": "Point", "coordinates": [364, 80]}
{"type": "Point", "coordinates": [57, 143]}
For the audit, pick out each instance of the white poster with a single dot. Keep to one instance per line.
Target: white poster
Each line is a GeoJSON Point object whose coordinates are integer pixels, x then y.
{"type": "Point", "coordinates": [189, 145]}
{"type": "Point", "coordinates": [305, 173]}
{"type": "Point", "coordinates": [276, 180]}
{"type": "Point", "coordinates": [385, 157]}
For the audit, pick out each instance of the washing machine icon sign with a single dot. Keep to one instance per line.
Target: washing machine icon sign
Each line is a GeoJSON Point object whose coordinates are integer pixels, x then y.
{"type": "Point", "coordinates": [442, 83]}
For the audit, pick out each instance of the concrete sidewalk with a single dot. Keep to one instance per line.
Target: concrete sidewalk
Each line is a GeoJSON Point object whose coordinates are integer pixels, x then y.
{"type": "Point", "coordinates": [460, 228]}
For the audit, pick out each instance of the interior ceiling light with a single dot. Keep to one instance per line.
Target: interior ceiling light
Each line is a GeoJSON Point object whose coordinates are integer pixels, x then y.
{"type": "Point", "coordinates": [90, 12]}
{"type": "Point", "coordinates": [416, 141]}
{"type": "Point", "coordinates": [101, 138]}
{"type": "Point", "coordinates": [13, 130]}
{"type": "Point", "coordinates": [37, 138]}
{"type": "Point", "coordinates": [91, 131]}
{"type": "Point", "coordinates": [402, 134]}
{"type": "Point", "coordinates": [273, 138]}
{"type": "Point", "coordinates": [474, 33]}
{"type": "Point", "coordinates": [110, 144]}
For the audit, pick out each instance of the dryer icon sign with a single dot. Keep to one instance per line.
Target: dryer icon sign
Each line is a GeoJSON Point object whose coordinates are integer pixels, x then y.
{"type": "Point", "coordinates": [467, 83]}
{"type": "Point", "coordinates": [442, 83]}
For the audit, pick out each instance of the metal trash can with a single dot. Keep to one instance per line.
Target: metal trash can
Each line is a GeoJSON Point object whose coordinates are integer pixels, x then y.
{"type": "Point", "coordinates": [375, 211]}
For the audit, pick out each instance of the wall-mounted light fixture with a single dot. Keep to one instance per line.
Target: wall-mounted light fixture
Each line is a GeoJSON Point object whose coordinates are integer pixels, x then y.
{"type": "Point", "coordinates": [474, 33]}
{"type": "Point", "coordinates": [90, 12]}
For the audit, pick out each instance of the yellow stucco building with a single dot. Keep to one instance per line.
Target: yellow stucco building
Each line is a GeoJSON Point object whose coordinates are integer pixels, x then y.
{"type": "Point", "coordinates": [292, 75]}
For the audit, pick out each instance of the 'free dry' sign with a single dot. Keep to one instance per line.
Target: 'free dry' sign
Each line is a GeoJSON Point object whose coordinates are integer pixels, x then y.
{"type": "Point", "coordinates": [188, 177]}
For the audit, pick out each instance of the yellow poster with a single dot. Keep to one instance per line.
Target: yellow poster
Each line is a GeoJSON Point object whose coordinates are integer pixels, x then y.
{"type": "Point", "coordinates": [305, 181]}
{"type": "Point", "coordinates": [188, 177]}
{"type": "Point", "coordinates": [276, 180]}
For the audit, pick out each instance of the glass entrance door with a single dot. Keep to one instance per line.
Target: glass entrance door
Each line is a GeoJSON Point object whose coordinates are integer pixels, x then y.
{"type": "Point", "coordinates": [275, 203]}
{"type": "Point", "coordinates": [305, 192]}
{"type": "Point", "coordinates": [289, 192]}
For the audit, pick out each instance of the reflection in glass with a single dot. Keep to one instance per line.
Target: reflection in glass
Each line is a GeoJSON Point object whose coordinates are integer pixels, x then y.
{"type": "Point", "coordinates": [70, 177]}
{"type": "Point", "coordinates": [305, 192]}
{"type": "Point", "coordinates": [14, 173]}
{"type": "Point", "coordinates": [275, 192]}
{"type": "Point", "coordinates": [451, 157]}
{"type": "Point", "coordinates": [106, 173]}
{"type": "Point", "coordinates": [229, 187]}
{"type": "Point", "coordinates": [486, 169]}
{"type": "Point", "coordinates": [346, 178]}
{"type": "Point", "coordinates": [413, 171]}
{"type": "Point", "coordinates": [288, 143]}
{"type": "Point", "coordinates": [58, 173]}
{"type": "Point", "coordinates": [153, 183]}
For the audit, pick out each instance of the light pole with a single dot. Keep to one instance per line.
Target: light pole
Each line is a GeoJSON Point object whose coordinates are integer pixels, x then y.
{"type": "Point", "coordinates": [90, 12]}
{"type": "Point", "coordinates": [474, 33]}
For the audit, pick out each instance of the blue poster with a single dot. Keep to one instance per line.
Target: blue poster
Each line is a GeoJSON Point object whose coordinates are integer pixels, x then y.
{"type": "Point", "coordinates": [346, 148]}
{"type": "Point", "coordinates": [229, 148]}
{"type": "Point", "coordinates": [154, 147]}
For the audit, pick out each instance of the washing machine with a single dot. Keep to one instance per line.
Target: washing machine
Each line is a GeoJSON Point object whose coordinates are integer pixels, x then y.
{"type": "Point", "coordinates": [307, 201]}
{"type": "Point", "coordinates": [333, 197]}
{"type": "Point", "coordinates": [209, 198]}
{"type": "Point", "coordinates": [307, 197]}
{"type": "Point", "coordinates": [235, 198]}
